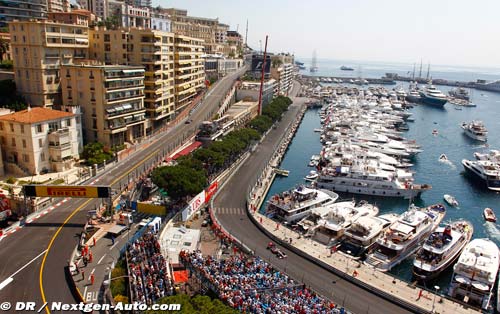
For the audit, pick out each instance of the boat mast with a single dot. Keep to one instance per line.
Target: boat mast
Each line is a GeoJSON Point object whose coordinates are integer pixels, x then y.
{"type": "Point", "coordinates": [420, 73]}
{"type": "Point", "coordinates": [413, 75]}
{"type": "Point", "coordinates": [314, 66]}
{"type": "Point", "coordinates": [428, 70]}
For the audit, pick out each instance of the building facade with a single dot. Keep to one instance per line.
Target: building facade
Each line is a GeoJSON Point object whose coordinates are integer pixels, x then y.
{"type": "Point", "coordinates": [283, 75]}
{"type": "Point", "coordinates": [39, 48]}
{"type": "Point", "coordinates": [98, 7]}
{"type": "Point", "coordinates": [129, 15]}
{"type": "Point", "coordinates": [58, 5]}
{"type": "Point", "coordinates": [38, 140]}
{"type": "Point", "coordinates": [22, 10]}
{"type": "Point", "coordinates": [154, 50]}
{"type": "Point", "coordinates": [189, 69]}
{"type": "Point", "coordinates": [249, 91]}
{"type": "Point", "coordinates": [210, 30]}
{"type": "Point", "coordinates": [111, 98]}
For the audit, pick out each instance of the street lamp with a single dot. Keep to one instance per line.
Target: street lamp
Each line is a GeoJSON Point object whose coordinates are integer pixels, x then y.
{"type": "Point", "coordinates": [434, 300]}
{"type": "Point", "coordinates": [348, 252]}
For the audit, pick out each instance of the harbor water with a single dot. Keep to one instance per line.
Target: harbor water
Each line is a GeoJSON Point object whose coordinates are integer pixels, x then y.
{"type": "Point", "coordinates": [445, 178]}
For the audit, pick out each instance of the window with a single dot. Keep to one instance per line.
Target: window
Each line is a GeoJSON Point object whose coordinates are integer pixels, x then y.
{"type": "Point", "coordinates": [22, 128]}
{"type": "Point", "coordinates": [39, 128]}
{"type": "Point", "coordinates": [42, 156]}
{"type": "Point", "coordinates": [2, 140]}
{"type": "Point", "coordinates": [13, 142]}
{"type": "Point", "coordinates": [11, 127]}
{"type": "Point", "coordinates": [26, 158]}
{"type": "Point", "coordinates": [24, 143]}
{"type": "Point", "coordinates": [40, 143]}
{"type": "Point", "coordinates": [68, 122]}
{"type": "Point", "coordinates": [1, 126]}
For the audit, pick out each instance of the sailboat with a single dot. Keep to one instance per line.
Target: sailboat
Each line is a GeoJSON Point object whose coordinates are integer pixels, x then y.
{"type": "Point", "coordinates": [314, 63]}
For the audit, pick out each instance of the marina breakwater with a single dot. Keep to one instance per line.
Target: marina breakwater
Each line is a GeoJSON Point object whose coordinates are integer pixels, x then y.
{"type": "Point", "coordinates": [382, 284]}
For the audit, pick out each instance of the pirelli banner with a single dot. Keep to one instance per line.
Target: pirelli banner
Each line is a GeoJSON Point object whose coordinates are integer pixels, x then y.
{"type": "Point", "coordinates": [77, 191]}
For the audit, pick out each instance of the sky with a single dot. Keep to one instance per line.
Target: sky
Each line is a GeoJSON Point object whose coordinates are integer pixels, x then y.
{"type": "Point", "coordinates": [459, 32]}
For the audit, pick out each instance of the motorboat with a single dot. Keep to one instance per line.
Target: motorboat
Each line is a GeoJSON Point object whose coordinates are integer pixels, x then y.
{"type": "Point", "coordinates": [460, 93]}
{"type": "Point", "coordinates": [443, 157]}
{"type": "Point", "coordinates": [295, 204]}
{"type": "Point", "coordinates": [404, 236]}
{"type": "Point", "coordinates": [475, 273]}
{"type": "Point", "coordinates": [345, 68]}
{"type": "Point", "coordinates": [489, 215]}
{"type": "Point", "coordinates": [450, 200]}
{"type": "Point", "coordinates": [441, 249]}
{"type": "Point", "coordinates": [493, 156]}
{"type": "Point", "coordinates": [312, 176]}
{"type": "Point", "coordinates": [363, 234]}
{"type": "Point", "coordinates": [433, 97]}
{"type": "Point", "coordinates": [332, 223]}
{"type": "Point", "coordinates": [435, 132]}
{"type": "Point", "coordinates": [485, 170]}
{"type": "Point", "coordinates": [475, 130]}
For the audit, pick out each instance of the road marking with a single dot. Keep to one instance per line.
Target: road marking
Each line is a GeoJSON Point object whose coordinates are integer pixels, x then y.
{"type": "Point", "coordinates": [42, 292]}
{"type": "Point", "coordinates": [124, 235]}
{"type": "Point", "coordinates": [10, 279]}
{"type": "Point", "coordinates": [85, 291]}
{"type": "Point", "coordinates": [113, 246]}
{"type": "Point", "coordinates": [100, 260]}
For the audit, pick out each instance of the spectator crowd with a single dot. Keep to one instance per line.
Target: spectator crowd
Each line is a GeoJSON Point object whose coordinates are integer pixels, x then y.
{"type": "Point", "coordinates": [149, 278]}
{"type": "Point", "coordinates": [252, 285]}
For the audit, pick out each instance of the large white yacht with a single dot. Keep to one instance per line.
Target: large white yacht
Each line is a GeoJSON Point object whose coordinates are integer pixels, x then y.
{"type": "Point", "coordinates": [332, 221]}
{"type": "Point", "coordinates": [485, 170]}
{"type": "Point", "coordinates": [475, 130]}
{"type": "Point", "coordinates": [475, 273]}
{"type": "Point", "coordinates": [433, 96]}
{"type": "Point", "coordinates": [369, 179]}
{"type": "Point", "coordinates": [363, 233]}
{"type": "Point", "coordinates": [441, 249]}
{"type": "Point", "coordinates": [404, 236]}
{"type": "Point", "coordinates": [295, 204]}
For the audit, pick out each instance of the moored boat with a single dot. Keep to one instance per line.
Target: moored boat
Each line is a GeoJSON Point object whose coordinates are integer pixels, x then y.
{"type": "Point", "coordinates": [404, 236]}
{"type": "Point", "coordinates": [441, 249]}
{"type": "Point", "coordinates": [475, 273]}
{"type": "Point", "coordinates": [475, 130]}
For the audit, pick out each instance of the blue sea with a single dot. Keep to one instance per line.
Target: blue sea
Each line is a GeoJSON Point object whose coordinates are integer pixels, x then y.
{"type": "Point", "coordinates": [444, 178]}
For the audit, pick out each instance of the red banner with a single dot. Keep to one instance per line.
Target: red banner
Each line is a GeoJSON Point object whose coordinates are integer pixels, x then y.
{"type": "Point", "coordinates": [210, 191]}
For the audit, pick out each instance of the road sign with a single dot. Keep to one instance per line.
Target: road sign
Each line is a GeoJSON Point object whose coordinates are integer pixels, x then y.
{"type": "Point", "coordinates": [78, 191]}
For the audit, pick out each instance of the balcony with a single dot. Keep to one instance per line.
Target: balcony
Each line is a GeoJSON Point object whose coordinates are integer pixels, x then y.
{"type": "Point", "coordinates": [126, 109]}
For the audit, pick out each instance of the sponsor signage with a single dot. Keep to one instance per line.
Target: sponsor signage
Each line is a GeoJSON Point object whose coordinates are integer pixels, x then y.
{"type": "Point", "coordinates": [258, 63]}
{"type": "Point", "coordinates": [151, 209]}
{"type": "Point", "coordinates": [210, 191]}
{"type": "Point", "coordinates": [76, 191]}
{"type": "Point", "coordinates": [195, 204]}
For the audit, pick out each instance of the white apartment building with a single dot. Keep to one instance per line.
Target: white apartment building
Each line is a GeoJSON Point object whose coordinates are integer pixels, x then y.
{"type": "Point", "coordinates": [38, 140]}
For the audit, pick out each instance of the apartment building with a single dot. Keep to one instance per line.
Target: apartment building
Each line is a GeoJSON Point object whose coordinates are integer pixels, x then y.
{"type": "Point", "coordinates": [210, 30]}
{"type": "Point", "coordinates": [38, 140]}
{"type": "Point", "coordinates": [283, 74]}
{"type": "Point", "coordinates": [22, 10]}
{"type": "Point", "coordinates": [39, 48]}
{"type": "Point", "coordinates": [140, 3]}
{"type": "Point", "coordinates": [129, 15]}
{"type": "Point", "coordinates": [151, 49]}
{"type": "Point", "coordinates": [97, 7]}
{"type": "Point", "coordinates": [111, 98]}
{"type": "Point", "coordinates": [58, 5]}
{"type": "Point", "coordinates": [76, 16]}
{"type": "Point", "coordinates": [189, 69]}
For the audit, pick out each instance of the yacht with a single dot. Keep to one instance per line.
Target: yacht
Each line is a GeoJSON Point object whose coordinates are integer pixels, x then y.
{"type": "Point", "coordinates": [433, 96]}
{"type": "Point", "coordinates": [363, 234]}
{"type": "Point", "coordinates": [295, 204]}
{"type": "Point", "coordinates": [441, 249]}
{"type": "Point", "coordinates": [475, 130]}
{"type": "Point", "coordinates": [475, 273]}
{"type": "Point", "coordinates": [460, 93]}
{"type": "Point", "coordinates": [404, 236]}
{"type": "Point", "coordinates": [485, 170]}
{"type": "Point", "coordinates": [332, 222]}
{"type": "Point", "coordinates": [366, 179]}
{"type": "Point", "coordinates": [493, 156]}
{"type": "Point", "coordinates": [345, 68]}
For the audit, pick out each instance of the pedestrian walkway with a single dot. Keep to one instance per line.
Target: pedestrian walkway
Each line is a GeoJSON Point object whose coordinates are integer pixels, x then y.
{"type": "Point", "coordinates": [229, 211]}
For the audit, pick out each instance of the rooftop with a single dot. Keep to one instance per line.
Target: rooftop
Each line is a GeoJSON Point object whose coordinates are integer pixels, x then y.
{"type": "Point", "coordinates": [35, 115]}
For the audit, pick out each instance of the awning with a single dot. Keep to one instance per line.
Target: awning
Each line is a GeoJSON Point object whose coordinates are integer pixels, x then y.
{"type": "Point", "coordinates": [119, 108]}
{"type": "Point", "coordinates": [127, 106]}
{"type": "Point", "coordinates": [82, 41]}
{"type": "Point", "coordinates": [185, 151]}
{"type": "Point", "coordinates": [180, 276]}
{"type": "Point", "coordinates": [133, 71]}
{"type": "Point", "coordinates": [110, 110]}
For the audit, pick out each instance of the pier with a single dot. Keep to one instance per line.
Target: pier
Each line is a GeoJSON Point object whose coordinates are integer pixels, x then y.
{"type": "Point", "coordinates": [393, 78]}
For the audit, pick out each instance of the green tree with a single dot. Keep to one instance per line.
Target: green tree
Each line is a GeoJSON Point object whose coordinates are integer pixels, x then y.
{"type": "Point", "coordinates": [10, 98]}
{"type": "Point", "coordinates": [4, 46]}
{"type": "Point", "coordinates": [179, 181]}
{"type": "Point", "coordinates": [94, 153]}
{"type": "Point", "coordinates": [198, 304]}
